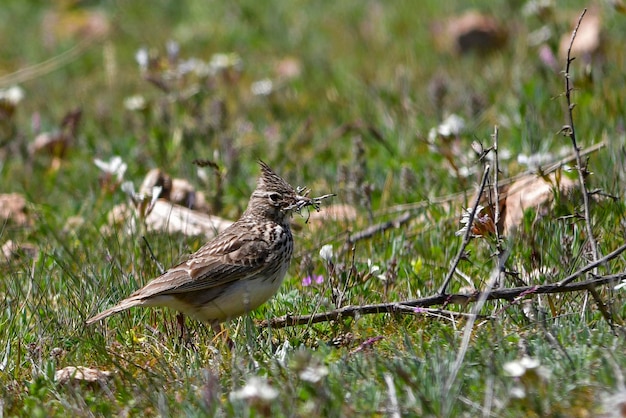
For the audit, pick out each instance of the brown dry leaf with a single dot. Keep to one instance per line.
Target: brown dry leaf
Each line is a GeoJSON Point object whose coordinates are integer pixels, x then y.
{"type": "Point", "coordinates": [78, 24]}
{"type": "Point", "coordinates": [288, 68]}
{"type": "Point", "coordinates": [157, 177]}
{"type": "Point", "coordinates": [175, 218]}
{"type": "Point", "coordinates": [13, 209]}
{"type": "Point", "coordinates": [56, 144]}
{"type": "Point", "coordinates": [73, 223]}
{"type": "Point", "coordinates": [11, 250]}
{"type": "Point", "coordinates": [168, 217]}
{"type": "Point", "coordinates": [183, 193]}
{"type": "Point", "coordinates": [80, 373]}
{"type": "Point", "coordinates": [532, 192]}
{"type": "Point", "coordinates": [118, 215]}
{"type": "Point", "coordinates": [619, 7]}
{"type": "Point", "coordinates": [472, 31]}
{"type": "Point", "coordinates": [178, 191]}
{"type": "Point", "coordinates": [339, 213]}
{"type": "Point", "coordinates": [588, 42]}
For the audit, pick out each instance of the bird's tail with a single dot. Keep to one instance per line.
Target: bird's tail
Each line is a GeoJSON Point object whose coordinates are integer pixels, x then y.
{"type": "Point", "coordinates": [122, 306]}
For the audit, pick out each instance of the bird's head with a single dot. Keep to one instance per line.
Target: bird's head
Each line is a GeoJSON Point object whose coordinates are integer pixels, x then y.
{"type": "Point", "coordinates": [274, 197]}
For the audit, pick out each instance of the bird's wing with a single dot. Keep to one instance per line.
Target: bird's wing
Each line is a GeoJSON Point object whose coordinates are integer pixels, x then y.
{"type": "Point", "coordinates": [225, 260]}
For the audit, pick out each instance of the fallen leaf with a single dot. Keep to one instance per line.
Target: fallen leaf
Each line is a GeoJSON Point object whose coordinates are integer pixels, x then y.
{"type": "Point", "coordinates": [157, 177]}
{"type": "Point", "coordinates": [588, 42]}
{"type": "Point", "coordinates": [531, 192]}
{"type": "Point", "coordinates": [171, 218]}
{"type": "Point", "coordinates": [13, 209]}
{"type": "Point", "coordinates": [74, 23]}
{"type": "Point", "coordinates": [288, 68]}
{"type": "Point", "coordinates": [73, 223]}
{"type": "Point", "coordinates": [57, 143]}
{"type": "Point", "coordinates": [178, 191]}
{"type": "Point", "coordinates": [80, 373]}
{"type": "Point", "coordinates": [471, 31]}
{"type": "Point", "coordinates": [12, 250]}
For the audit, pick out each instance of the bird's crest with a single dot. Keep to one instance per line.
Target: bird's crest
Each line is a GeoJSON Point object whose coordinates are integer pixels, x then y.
{"type": "Point", "coordinates": [269, 180]}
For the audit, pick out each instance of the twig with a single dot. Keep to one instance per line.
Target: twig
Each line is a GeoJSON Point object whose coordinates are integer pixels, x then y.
{"type": "Point", "coordinates": [547, 169]}
{"type": "Point", "coordinates": [608, 316]}
{"type": "Point", "coordinates": [408, 208]}
{"type": "Point", "coordinates": [52, 64]}
{"type": "Point", "coordinates": [394, 405]}
{"type": "Point", "coordinates": [159, 265]}
{"type": "Point", "coordinates": [467, 332]}
{"type": "Point", "coordinates": [381, 227]}
{"type": "Point", "coordinates": [557, 344]}
{"type": "Point", "coordinates": [571, 132]}
{"type": "Point", "coordinates": [593, 265]}
{"type": "Point", "coordinates": [468, 233]}
{"type": "Point", "coordinates": [489, 389]}
{"type": "Point", "coordinates": [496, 191]}
{"type": "Point", "coordinates": [441, 313]}
{"type": "Point", "coordinates": [439, 299]}
{"type": "Point", "coordinates": [582, 171]}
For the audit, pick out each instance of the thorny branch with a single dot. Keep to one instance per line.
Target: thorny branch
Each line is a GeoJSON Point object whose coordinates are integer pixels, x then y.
{"type": "Point", "coordinates": [418, 306]}
{"type": "Point", "coordinates": [496, 191]}
{"type": "Point", "coordinates": [381, 227]}
{"type": "Point", "coordinates": [570, 130]}
{"type": "Point", "coordinates": [469, 326]}
{"type": "Point", "coordinates": [592, 266]}
{"type": "Point", "coordinates": [468, 233]}
{"type": "Point", "coordinates": [409, 209]}
{"type": "Point", "coordinates": [510, 294]}
{"type": "Point", "coordinates": [547, 169]}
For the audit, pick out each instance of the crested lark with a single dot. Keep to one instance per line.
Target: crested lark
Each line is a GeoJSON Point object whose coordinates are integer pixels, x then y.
{"type": "Point", "coordinates": [239, 269]}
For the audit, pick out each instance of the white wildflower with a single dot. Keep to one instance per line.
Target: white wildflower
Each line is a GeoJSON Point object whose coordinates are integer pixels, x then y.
{"type": "Point", "coordinates": [13, 95]}
{"type": "Point", "coordinates": [453, 125]}
{"type": "Point", "coordinates": [173, 49]}
{"type": "Point", "coordinates": [518, 368]}
{"type": "Point", "coordinates": [533, 161]}
{"type": "Point", "coordinates": [129, 188]}
{"type": "Point", "coordinates": [262, 87]}
{"type": "Point", "coordinates": [620, 286]}
{"type": "Point", "coordinates": [465, 219]}
{"type": "Point", "coordinates": [220, 62]}
{"type": "Point", "coordinates": [256, 389]}
{"type": "Point", "coordinates": [142, 57]}
{"type": "Point", "coordinates": [373, 268]}
{"type": "Point", "coordinates": [314, 374]}
{"type": "Point", "coordinates": [114, 167]}
{"type": "Point", "coordinates": [282, 351]}
{"type": "Point", "coordinates": [195, 66]}
{"type": "Point", "coordinates": [326, 253]}
{"type": "Point", "coordinates": [136, 102]}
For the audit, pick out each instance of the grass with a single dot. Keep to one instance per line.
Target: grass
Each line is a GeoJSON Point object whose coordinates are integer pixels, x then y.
{"type": "Point", "coordinates": [357, 117]}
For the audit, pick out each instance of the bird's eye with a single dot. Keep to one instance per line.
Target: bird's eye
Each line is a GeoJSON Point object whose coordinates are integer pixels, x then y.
{"type": "Point", "coordinates": [274, 197]}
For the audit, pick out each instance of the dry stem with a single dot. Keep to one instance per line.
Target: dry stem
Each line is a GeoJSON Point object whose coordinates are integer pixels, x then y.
{"type": "Point", "coordinates": [468, 233]}
{"type": "Point", "coordinates": [510, 294]}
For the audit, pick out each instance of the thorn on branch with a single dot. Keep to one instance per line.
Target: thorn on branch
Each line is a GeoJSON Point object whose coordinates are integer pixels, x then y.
{"type": "Point", "coordinates": [566, 130]}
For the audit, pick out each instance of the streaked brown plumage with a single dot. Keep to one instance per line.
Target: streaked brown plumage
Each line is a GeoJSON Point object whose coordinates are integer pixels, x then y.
{"type": "Point", "coordinates": [239, 269]}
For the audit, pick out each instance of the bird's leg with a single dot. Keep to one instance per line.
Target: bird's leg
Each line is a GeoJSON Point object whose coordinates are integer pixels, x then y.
{"type": "Point", "coordinates": [180, 318]}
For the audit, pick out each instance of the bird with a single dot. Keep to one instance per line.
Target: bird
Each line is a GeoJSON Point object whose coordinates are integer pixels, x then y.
{"type": "Point", "coordinates": [238, 270]}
